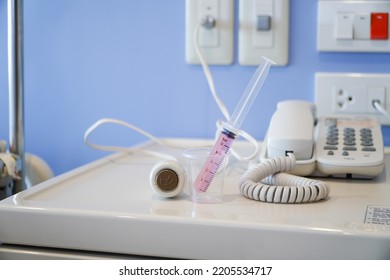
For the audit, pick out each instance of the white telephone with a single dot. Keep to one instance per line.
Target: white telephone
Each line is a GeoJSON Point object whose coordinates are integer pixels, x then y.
{"type": "Point", "coordinates": [349, 146]}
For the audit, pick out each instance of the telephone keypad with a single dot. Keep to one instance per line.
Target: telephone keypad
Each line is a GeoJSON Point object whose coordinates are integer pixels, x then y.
{"type": "Point", "coordinates": [349, 139]}
{"type": "Point", "coordinates": [349, 146]}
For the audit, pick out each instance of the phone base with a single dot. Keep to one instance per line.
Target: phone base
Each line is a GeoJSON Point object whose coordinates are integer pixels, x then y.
{"type": "Point", "coordinates": [302, 167]}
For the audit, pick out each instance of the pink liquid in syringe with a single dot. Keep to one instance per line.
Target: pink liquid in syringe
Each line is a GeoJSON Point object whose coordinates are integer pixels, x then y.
{"type": "Point", "coordinates": [217, 154]}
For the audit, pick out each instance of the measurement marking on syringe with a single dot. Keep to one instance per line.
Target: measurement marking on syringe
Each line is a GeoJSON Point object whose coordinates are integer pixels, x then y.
{"type": "Point", "coordinates": [211, 166]}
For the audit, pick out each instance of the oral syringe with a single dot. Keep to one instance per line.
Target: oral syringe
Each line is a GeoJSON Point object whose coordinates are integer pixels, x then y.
{"type": "Point", "coordinates": [231, 128]}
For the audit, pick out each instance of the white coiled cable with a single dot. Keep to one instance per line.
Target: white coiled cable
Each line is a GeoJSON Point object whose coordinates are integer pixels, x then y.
{"type": "Point", "coordinates": [267, 182]}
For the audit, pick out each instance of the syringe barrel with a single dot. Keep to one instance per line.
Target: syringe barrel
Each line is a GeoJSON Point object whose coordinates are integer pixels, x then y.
{"type": "Point", "coordinates": [250, 94]}
{"type": "Point", "coordinates": [217, 155]}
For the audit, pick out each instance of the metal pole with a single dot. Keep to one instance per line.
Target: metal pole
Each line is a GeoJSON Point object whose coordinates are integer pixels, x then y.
{"type": "Point", "coordinates": [15, 83]}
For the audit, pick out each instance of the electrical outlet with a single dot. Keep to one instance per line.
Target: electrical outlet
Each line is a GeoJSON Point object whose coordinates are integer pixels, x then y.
{"type": "Point", "coordinates": [215, 38]}
{"type": "Point", "coordinates": [376, 94]}
{"type": "Point", "coordinates": [347, 99]}
{"type": "Point", "coordinates": [353, 93]}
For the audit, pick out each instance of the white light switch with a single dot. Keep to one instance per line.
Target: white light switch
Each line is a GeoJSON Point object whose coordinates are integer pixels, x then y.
{"type": "Point", "coordinates": [262, 10]}
{"type": "Point", "coordinates": [362, 26]}
{"type": "Point", "coordinates": [263, 31]}
{"type": "Point", "coordinates": [344, 26]}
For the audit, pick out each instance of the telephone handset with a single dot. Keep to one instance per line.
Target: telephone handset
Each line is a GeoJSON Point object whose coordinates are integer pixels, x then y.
{"type": "Point", "coordinates": [348, 146]}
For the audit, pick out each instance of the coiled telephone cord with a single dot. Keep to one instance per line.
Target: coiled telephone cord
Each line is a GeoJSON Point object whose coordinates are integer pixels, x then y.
{"type": "Point", "coordinates": [267, 182]}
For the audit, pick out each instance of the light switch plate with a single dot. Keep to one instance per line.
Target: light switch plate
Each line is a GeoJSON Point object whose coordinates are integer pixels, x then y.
{"type": "Point", "coordinates": [329, 26]}
{"type": "Point", "coordinates": [272, 43]}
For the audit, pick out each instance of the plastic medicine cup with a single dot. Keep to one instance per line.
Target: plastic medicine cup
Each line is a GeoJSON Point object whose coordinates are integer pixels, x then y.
{"type": "Point", "coordinates": [196, 158]}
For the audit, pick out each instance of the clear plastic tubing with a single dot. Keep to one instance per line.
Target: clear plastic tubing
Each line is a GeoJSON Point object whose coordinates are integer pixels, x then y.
{"type": "Point", "coordinates": [231, 128]}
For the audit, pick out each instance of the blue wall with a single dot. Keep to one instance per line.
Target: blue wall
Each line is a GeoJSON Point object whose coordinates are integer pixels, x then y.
{"type": "Point", "coordinates": [89, 59]}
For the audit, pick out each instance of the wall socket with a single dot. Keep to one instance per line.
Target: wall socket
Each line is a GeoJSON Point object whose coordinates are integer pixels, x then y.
{"type": "Point", "coordinates": [353, 93]}
{"type": "Point", "coordinates": [216, 41]}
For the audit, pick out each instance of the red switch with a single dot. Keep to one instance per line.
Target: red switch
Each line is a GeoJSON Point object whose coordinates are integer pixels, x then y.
{"type": "Point", "coordinates": [379, 26]}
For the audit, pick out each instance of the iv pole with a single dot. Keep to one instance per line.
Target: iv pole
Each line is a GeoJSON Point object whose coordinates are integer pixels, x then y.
{"type": "Point", "coordinates": [15, 81]}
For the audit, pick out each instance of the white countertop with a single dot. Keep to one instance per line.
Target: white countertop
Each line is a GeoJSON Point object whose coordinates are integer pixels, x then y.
{"type": "Point", "coordinates": [108, 206]}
